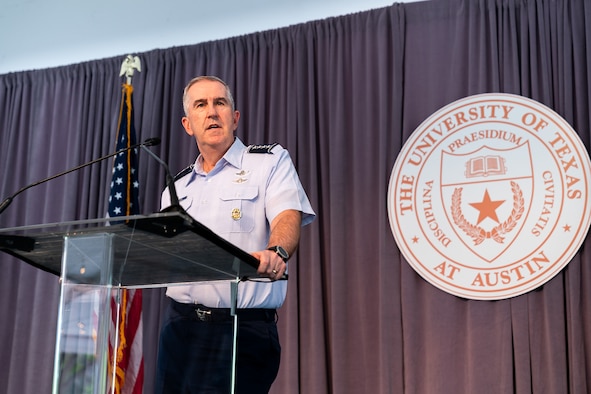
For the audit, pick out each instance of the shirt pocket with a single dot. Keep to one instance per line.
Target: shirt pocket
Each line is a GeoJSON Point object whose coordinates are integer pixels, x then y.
{"type": "Point", "coordinates": [186, 202]}
{"type": "Point", "coordinates": [238, 205]}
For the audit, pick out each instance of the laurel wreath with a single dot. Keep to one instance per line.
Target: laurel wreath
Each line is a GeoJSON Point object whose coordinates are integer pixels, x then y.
{"type": "Point", "coordinates": [477, 233]}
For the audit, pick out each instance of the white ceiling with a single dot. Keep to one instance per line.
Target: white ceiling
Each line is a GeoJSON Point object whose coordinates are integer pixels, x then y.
{"type": "Point", "coordinates": [39, 33]}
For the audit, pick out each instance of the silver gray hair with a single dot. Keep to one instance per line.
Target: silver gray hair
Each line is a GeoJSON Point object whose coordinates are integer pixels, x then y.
{"type": "Point", "coordinates": [206, 78]}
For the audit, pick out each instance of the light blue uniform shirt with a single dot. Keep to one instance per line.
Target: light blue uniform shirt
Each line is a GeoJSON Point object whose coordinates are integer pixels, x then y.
{"type": "Point", "coordinates": [238, 199]}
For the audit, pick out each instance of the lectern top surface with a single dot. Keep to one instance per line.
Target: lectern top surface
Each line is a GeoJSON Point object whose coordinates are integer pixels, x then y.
{"type": "Point", "coordinates": [133, 251]}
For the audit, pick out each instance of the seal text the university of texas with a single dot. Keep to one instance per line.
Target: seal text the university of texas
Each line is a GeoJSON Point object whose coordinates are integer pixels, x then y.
{"type": "Point", "coordinates": [489, 197]}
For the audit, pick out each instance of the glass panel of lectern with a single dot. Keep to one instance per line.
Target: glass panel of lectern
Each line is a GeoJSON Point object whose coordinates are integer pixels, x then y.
{"type": "Point", "coordinates": [96, 259]}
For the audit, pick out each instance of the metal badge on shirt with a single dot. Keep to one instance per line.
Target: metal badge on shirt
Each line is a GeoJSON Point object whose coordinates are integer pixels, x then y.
{"type": "Point", "coordinates": [241, 176]}
{"type": "Point", "coordinates": [236, 214]}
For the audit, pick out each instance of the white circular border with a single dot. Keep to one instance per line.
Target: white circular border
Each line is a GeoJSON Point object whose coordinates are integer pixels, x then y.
{"type": "Point", "coordinates": [527, 261]}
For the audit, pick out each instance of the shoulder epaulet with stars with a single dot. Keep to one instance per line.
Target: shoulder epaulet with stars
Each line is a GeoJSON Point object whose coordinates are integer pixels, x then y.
{"type": "Point", "coordinates": [262, 148]}
{"type": "Point", "coordinates": [183, 172]}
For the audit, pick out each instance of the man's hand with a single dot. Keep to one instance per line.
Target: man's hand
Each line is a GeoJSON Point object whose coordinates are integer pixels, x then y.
{"type": "Point", "coordinates": [285, 231]}
{"type": "Point", "coordinates": [271, 265]}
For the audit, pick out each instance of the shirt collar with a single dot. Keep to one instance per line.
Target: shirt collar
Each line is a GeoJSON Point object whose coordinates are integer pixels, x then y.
{"type": "Point", "coordinates": [233, 156]}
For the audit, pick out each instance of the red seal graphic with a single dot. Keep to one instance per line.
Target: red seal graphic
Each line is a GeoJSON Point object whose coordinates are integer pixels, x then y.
{"type": "Point", "coordinates": [489, 197]}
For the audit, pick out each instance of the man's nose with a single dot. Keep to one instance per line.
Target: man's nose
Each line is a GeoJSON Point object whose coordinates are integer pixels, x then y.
{"type": "Point", "coordinates": [212, 110]}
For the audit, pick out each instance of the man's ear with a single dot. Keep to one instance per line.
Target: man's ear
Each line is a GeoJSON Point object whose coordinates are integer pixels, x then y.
{"type": "Point", "coordinates": [236, 119]}
{"type": "Point", "coordinates": [186, 125]}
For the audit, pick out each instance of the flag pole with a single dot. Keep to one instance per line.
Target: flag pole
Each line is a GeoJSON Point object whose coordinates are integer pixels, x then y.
{"type": "Point", "coordinates": [125, 347]}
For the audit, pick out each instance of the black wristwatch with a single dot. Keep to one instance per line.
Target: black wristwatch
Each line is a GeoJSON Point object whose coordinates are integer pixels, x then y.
{"type": "Point", "coordinates": [280, 251]}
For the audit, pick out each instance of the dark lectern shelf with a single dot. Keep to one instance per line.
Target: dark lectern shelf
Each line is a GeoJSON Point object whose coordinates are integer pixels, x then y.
{"type": "Point", "coordinates": [147, 251]}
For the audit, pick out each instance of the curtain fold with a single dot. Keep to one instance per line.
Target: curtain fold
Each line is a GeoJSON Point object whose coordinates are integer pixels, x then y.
{"type": "Point", "coordinates": [342, 94]}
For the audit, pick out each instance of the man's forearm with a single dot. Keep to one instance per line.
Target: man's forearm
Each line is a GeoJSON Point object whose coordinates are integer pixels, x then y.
{"type": "Point", "coordinates": [285, 230]}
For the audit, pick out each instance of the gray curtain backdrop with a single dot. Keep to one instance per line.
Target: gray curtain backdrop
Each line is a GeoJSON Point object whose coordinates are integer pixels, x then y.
{"type": "Point", "coordinates": [342, 94]}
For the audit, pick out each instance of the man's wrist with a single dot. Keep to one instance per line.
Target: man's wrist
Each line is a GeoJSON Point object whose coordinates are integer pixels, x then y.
{"type": "Point", "coordinates": [280, 251]}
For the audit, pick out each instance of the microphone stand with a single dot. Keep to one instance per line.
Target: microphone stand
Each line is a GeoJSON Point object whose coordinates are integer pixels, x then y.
{"type": "Point", "coordinates": [8, 200]}
{"type": "Point", "coordinates": [173, 225]}
{"type": "Point", "coordinates": [174, 198]}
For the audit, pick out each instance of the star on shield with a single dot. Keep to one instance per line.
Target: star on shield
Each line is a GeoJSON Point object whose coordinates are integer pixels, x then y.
{"type": "Point", "coordinates": [487, 208]}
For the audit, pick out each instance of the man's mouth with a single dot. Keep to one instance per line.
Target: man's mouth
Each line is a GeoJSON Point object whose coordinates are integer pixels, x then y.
{"type": "Point", "coordinates": [213, 126]}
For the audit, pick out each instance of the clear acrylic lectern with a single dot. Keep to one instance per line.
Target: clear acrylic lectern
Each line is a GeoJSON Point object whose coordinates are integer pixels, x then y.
{"type": "Point", "coordinates": [96, 258]}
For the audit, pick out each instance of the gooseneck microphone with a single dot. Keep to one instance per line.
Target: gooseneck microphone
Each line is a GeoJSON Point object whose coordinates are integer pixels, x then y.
{"type": "Point", "coordinates": [174, 198]}
{"type": "Point", "coordinates": [149, 142]}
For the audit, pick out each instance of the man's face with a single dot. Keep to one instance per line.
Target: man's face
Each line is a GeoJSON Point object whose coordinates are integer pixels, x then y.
{"type": "Point", "coordinates": [210, 117]}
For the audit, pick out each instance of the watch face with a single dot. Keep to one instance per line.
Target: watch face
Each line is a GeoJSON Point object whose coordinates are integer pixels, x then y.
{"type": "Point", "coordinates": [281, 252]}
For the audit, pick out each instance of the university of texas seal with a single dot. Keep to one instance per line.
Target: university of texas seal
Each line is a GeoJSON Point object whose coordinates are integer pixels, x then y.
{"type": "Point", "coordinates": [490, 196]}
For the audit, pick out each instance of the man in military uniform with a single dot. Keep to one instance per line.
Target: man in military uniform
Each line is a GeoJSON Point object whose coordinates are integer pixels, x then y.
{"type": "Point", "coordinates": [252, 197]}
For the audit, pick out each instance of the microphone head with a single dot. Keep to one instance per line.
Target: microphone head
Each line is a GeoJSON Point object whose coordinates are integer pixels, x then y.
{"type": "Point", "coordinates": [152, 141]}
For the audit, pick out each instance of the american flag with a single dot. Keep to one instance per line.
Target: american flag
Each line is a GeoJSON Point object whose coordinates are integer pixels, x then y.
{"type": "Point", "coordinates": [126, 361]}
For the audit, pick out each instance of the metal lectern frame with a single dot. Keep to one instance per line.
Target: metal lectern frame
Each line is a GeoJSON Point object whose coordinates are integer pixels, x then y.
{"type": "Point", "coordinates": [95, 257]}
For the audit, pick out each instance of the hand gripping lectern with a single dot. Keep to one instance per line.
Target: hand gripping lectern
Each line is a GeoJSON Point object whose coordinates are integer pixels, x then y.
{"type": "Point", "coordinates": [97, 258]}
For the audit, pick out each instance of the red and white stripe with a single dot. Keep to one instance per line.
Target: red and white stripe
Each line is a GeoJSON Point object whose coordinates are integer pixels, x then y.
{"type": "Point", "coordinates": [125, 343]}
